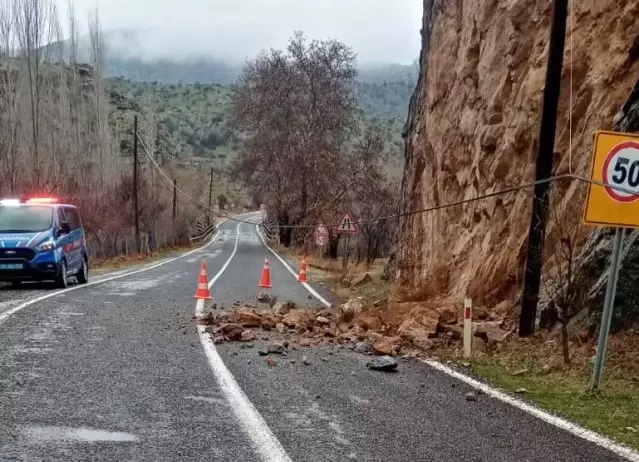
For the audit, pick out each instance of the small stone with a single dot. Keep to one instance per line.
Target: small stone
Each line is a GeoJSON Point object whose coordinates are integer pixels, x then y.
{"type": "Point", "coordinates": [363, 347]}
{"type": "Point", "coordinates": [247, 336]}
{"type": "Point", "coordinates": [263, 297]}
{"type": "Point", "coordinates": [293, 361]}
{"type": "Point", "coordinates": [281, 328]}
{"type": "Point", "coordinates": [262, 352]}
{"type": "Point", "coordinates": [234, 353]}
{"type": "Point", "coordinates": [317, 396]}
{"type": "Point", "coordinates": [270, 362]}
{"type": "Point", "coordinates": [321, 320]}
{"type": "Point", "coordinates": [465, 364]}
{"type": "Point", "coordinates": [285, 343]}
{"type": "Point", "coordinates": [520, 372]}
{"type": "Point", "coordinates": [383, 363]}
{"type": "Point", "coordinates": [249, 345]}
{"type": "Point", "coordinates": [470, 396]}
{"type": "Point", "coordinates": [305, 361]}
{"type": "Point", "coordinates": [521, 391]}
{"type": "Point", "coordinates": [218, 339]}
{"type": "Point", "coordinates": [309, 296]}
{"type": "Point", "coordinates": [248, 361]}
{"type": "Point", "coordinates": [324, 359]}
{"type": "Point", "coordinates": [422, 385]}
{"type": "Point", "coordinates": [276, 348]}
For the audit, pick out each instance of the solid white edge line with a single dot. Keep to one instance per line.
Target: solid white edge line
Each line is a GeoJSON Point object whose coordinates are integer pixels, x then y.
{"type": "Point", "coordinates": [563, 424]}
{"type": "Point", "coordinates": [11, 311]}
{"type": "Point", "coordinates": [312, 291]}
{"type": "Point", "coordinates": [574, 429]}
{"type": "Point", "coordinates": [264, 442]}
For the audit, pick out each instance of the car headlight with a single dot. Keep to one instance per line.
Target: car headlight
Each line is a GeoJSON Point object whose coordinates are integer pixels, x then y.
{"type": "Point", "coordinates": [46, 245]}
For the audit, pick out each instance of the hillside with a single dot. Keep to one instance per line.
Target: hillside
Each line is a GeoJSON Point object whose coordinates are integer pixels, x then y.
{"type": "Point", "coordinates": [192, 119]}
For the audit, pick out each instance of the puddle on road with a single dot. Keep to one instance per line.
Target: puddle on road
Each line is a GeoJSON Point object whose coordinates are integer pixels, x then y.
{"type": "Point", "coordinates": [86, 435]}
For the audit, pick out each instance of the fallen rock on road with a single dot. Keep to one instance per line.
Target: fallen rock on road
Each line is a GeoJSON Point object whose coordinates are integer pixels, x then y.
{"type": "Point", "coordinates": [383, 363]}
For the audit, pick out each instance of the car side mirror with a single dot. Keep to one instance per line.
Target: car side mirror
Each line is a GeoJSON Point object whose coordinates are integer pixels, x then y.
{"type": "Point", "coordinates": [64, 228]}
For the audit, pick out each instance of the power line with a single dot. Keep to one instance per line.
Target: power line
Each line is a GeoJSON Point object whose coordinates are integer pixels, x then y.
{"type": "Point", "coordinates": [501, 192]}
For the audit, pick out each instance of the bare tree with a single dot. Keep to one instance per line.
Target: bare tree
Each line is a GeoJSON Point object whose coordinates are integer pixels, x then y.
{"type": "Point", "coordinates": [32, 18]}
{"type": "Point", "coordinates": [97, 52]}
{"type": "Point", "coordinates": [565, 285]}
{"type": "Point", "coordinates": [10, 95]}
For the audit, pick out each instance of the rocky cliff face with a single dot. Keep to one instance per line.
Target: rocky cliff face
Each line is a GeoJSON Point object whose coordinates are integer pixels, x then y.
{"type": "Point", "coordinates": [473, 129]}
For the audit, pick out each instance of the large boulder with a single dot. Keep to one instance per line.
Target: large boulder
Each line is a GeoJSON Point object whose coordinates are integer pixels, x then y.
{"type": "Point", "coordinates": [388, 346]}
{"type": "Point", "coordinates": [248, 317]}
{"type": "Point", "coordinates": [232, 331]}
{"type": "Point", "coordinates": [297, 318]}
{"type": "Point", "coordinates": [369, 321]}
{"type": "Point", "coordinates": [352, 308]}
{"type": "Point", "coordinates": [282, 308]}
{"type": "Point", "coordinates": [490, 331]}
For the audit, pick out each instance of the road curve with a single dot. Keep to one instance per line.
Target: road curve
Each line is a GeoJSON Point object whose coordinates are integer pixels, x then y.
{"type": "Point", "coordinates": [116, 372]}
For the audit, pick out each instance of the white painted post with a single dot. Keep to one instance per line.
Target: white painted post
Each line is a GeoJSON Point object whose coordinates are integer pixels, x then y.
{"type": "Point", "coordinates": [468, 327]}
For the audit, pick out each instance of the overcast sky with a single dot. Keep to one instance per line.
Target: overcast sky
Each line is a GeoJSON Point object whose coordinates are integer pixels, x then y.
{"type": "Point", "coordinates": [378, 30]}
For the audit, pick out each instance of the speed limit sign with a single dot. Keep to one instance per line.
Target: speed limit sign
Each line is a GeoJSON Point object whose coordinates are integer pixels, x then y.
{"type": "Point", "coordinates": [616, 165]}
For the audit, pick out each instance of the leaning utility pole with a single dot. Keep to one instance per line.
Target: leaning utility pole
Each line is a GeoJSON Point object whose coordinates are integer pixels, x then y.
{"type": "Point", "coordinates": [537, 230]}
{"type": "Point", "coordinates": [135, 183]}
{"type": "Point", "coordinates": [208, 219]}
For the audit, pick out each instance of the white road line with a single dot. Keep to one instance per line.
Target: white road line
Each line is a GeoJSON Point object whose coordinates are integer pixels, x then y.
{"type": "Point", "coordinates": [574, 429]}
{"type": "Point", "coordinates": [264, 442]}
{"type": "Point", "coordinates": [6, 314]}
{"type": "Point", "coordinates": [312, 291]}
{"type": "Point", "coordinates": [570, 427]}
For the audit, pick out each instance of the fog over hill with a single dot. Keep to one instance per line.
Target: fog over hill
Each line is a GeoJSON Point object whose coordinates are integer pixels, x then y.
{"type": "Point", "coordinates": [145, 55]}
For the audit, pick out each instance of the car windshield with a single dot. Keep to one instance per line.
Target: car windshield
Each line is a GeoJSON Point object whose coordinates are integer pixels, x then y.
{"type": "Point", "coordinates": [25, 219]}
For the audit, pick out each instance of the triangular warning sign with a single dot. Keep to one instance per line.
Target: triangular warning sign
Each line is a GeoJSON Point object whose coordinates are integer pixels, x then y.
{"type": "Point", "coordinates": [346, 225]}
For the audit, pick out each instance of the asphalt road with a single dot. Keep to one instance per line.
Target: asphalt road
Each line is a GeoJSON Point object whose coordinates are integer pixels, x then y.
{"type": "Point", "coordinates": [116, 371]}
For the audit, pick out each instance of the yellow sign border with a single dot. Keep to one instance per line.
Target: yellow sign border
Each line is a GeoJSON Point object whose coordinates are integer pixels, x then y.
{"type": "Point", "coordinates": [628, 137]}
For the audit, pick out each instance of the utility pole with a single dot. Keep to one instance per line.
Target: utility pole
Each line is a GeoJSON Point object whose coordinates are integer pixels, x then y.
{"type": "Point", "coordinates": [135, 183]}
{"type": "Point", "coordinates": [208, 219]}
{"type": "Point", "coordinates": [174, 200]}
{"type": "Point", "coordinates": [538, 219]}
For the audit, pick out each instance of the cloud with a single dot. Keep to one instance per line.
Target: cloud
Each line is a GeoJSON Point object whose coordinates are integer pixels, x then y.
{"type": "Point", "coordinates": [378, 30]}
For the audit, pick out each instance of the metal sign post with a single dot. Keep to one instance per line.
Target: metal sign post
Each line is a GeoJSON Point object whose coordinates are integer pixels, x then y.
{"type": "Point", "coordinates": [615, 163]}
{"type": "Point", "coordinates": [608, 309]}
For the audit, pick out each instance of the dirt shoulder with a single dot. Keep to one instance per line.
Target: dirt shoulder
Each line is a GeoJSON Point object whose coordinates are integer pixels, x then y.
{"type": "Point", "coordinates": [532, 367]}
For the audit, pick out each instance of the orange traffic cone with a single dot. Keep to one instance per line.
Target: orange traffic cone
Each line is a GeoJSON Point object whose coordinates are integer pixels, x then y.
{"type": "Point", "coordinates": [302, 275]}
{"type": "Point", "coordinates": [266, 275]}
{"type": "Point", "coordinates": [202, 292]}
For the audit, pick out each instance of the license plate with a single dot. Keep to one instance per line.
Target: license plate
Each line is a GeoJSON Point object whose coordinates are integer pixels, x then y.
{"type": "Point", "coordinates": [11, 266]}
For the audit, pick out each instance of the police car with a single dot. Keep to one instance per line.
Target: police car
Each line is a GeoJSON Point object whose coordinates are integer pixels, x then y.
{"type": "Point", "coordinates": [41, 240]}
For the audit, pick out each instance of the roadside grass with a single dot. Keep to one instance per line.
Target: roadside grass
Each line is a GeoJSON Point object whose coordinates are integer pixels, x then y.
{"type": "Point", "coordinates": [613, 412]}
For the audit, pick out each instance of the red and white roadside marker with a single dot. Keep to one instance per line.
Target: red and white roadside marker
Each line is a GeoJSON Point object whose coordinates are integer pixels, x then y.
{"type": "Point", "coordinates": [468, 327]}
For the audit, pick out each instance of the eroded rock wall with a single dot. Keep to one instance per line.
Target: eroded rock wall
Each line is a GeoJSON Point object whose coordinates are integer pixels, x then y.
{"type": "Point", "coordinates": [473, 129]}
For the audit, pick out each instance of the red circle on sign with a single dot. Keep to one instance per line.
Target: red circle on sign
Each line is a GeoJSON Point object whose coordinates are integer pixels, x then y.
{"type": "Point", "coordinates": [614, 194]}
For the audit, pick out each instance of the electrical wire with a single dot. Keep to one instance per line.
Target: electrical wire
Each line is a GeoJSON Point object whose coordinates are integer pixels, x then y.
{"type": "Point", "coordinates": [501, 192]}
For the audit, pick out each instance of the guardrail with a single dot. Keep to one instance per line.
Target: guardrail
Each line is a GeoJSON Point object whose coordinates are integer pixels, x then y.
{"type": "Point", "coordinates": [205, 233]}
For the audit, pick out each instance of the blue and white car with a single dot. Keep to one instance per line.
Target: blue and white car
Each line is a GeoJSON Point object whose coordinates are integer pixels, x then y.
{"type": "Point", "coordinates": [41, 240]}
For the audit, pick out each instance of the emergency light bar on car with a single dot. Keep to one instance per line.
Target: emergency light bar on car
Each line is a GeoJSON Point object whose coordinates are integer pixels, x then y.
{"type": "Point", "coordinates": [33, 200]}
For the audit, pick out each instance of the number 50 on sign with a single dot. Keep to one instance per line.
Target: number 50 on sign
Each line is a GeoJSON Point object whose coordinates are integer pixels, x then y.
{"type": "Point", "coordinates": [616, 163]}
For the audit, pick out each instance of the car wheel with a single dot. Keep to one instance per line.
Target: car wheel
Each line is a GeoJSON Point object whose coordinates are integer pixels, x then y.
{"type": "Point", "coordinates": [83, 274]}
{"type": "Point", "coordinates": [62, 281]}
